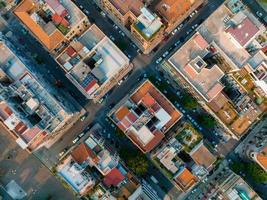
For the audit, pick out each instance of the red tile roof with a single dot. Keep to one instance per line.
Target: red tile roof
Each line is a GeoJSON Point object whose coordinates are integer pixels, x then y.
{"type": "Point", "coordinates": [82, 152]}
{"type": "Point", "coordinates": [113, 178]}
{"type": "Point", "coordinates": [244, 31]}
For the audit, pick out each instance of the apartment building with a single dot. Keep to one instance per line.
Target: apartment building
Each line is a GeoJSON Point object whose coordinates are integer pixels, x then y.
{"type": "Point", "coordinates": [94, 64]}
{"type": "Point", "coordinates": [28, 109]}
{"type": "Point", "coordinates": [145, 116]}
{"type": "Point", "coordinates": [174, 12]}
{"type": "Point", "coordinates": [75, 176]}
{"type": "Point", "coordinates": [142, 25]}
{"type": "Point", "coordinates": [54, 23]}
{"type": "Point", "coordinates": [224, 67]}
{"type": "Point", "coordinates": [233, 187]}
{"type": "Point", "coordinates": [260, 157]}
{"type": "Point", "coordinates": [94, 153]}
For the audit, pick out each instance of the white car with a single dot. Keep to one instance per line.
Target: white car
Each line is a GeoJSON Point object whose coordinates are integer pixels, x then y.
{"type": "Point", "coordinates": [86, 12]}
{"type": "Point", "coordinates": [120, 82]}
{"type": "Point", "coordinates": [174, 31]}
{"type": "Point", "coordinates": [75, 140]}
{"type": "Point", "coordinates": [103, 14]}
{"type": "Point", "coordinates": [112, 38]}
{"type": "Point", "coordinates": [81, 134]}
{"type": "Point", "coordinates": [159, 60]}
{"type": "Point", "coordinates": [165, 54]}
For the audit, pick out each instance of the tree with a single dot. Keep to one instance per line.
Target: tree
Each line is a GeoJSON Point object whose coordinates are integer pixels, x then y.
{"type": "Point", "coordinates": [189, 102]}
{"type": "Point", "coordinates": [135, 160]}
{"type": "Point", "coordinates": [206, 121]}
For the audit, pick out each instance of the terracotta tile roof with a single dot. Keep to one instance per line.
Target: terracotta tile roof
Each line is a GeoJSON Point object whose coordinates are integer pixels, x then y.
{"type": "Point", "coordinates": [122, 112]}
{"type": "Point", "coordinates": [243, 32]}
{"type": "Point", "coordinates": [185, 179]}
{"type": "Point", "coordinates": [132, 117]}
{"type": "Point", "coordinates": [200, 41]}
{"type": "Point", "coordinates": [82, 152]}
{"type": "Point", "coordinates": [172, 10]}
{"type": "Point", "coordinates": [262, 158]}
{"type": "Point", "coordinates": [158, 136]}
{"type": "Point", "coordinates": [202, 156]}
{"type": "Point", "coordinates": [113, 178]}
{"type": "Point", "coordinates": [49, 41]}
{"type": "Point", "coordinates": [20, 128]}
{"type": "Point", "coordinates": [218, 102]}
{"type": "Point", "coordinates": [31, 133]}
{"type": "Point", "coordinates": [5, 111]}
{"type": "Point", "coordinates": [148, 100]}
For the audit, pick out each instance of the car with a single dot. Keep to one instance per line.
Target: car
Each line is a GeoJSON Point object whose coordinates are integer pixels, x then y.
{"type": "Point", "coordinates": [165, 54]}
{"type": "Point", "coordinates": [177, 43]}
{"type": "Point", "coordinates": [259, 14]}
{"type": "Point", "coordinates": [159, 60]}
{"type": "Point", "coordinates": [194, 26]}
{"type": "Point", "coordinates": [115, 26]}
{"type": "Point", "coordinates": [86, 12]}
{"type": "Point", "coordinates": [82, 118]}
{"type": "Point", "coordinates": [129, 56]}
{"type": "Point", "coordinates": [81, 134]}
{"type": "Point", "coordinates": [103, 14]}
{"type": "Point", "coordinates": [174, 31]}
{"type": "Point", "coordinates": [61, 153]}
{"type": "Point", "coordinates": [112, 38]}
{"type": "Point", "coordinates": [75, 140]}
{"type": "Point", "coordinates": [81, 7]}
{"type": "Point", "coordinates": [120, 82]}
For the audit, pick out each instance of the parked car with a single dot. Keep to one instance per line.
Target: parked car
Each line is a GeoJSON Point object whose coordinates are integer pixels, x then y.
{"type": "Point", "coordinates": [165, 54]}
{"type": "Point", "coordinates": [75, 140]}
{"type": "Point", "coordinates": [81, 134]}
{"type": "Point", "coordinates": [174, 31]}
{"type": "Point", "coordinates": [159, 60]}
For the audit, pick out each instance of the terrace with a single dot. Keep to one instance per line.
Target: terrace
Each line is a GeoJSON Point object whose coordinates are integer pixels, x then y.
{"type": "Point", "coordinates": [92, 60]}
{"type": "Point", "coordinates": [147, 24]}
{"type": "Point", "coordinates": [80, 181]}
{"type": "Point", "coordinates": [49, 20]}
{"type": "Point", "coordinates": [188, 137]}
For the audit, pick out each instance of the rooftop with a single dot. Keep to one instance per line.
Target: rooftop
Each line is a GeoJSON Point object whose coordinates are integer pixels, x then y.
{"type": "Point", "coordinates": [75, 176]}
{"type": "Point", "coordinates": [202, 156]}
{"type": "Point", "coordinates": [124, 6]}
{"type": "Point", "coordinates": [148, 24]}
{"type": "Point", "coordinates": [172, 10]}
{"type": "Point", "coordinates": [33, 105]}
{"type": "Point", "coordinates": [114, 177]}
{"type": "Point", "coordinates": [262, 158]}
{"type": "Point", "coordinates": [49, 20]}
{"type": "Point", "coordinates": [244, 31]}
{"type": "Point", "coordinates": [146, 116]}
{"type": "Point", "coordinates": [189, 62]}
{"type": "Point", "coordinates": [92, 60]}
{"type": "Point", "coordinates": [185, 179]}
{"type": "Point", "coordinates": [214, 29]}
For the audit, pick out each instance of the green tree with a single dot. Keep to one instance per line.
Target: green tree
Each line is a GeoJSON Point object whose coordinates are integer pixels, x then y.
{"type": "Point", "coordinates": [206, 121]}
{"type": "Point", "coordinates": [189, 102]}
{"type": "Point", "coordinates": [256, 173]}
{"type": "Point", "coordinates": [135, 160]}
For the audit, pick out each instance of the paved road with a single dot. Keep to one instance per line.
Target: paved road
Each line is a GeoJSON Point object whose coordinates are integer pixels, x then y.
{"type": "Point", "coordinates": [17, 164]}
{"type": "Point", "coordinates": [256, 8]}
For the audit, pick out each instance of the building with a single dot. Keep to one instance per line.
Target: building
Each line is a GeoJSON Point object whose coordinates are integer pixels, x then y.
{"type": "Point", "coordinates": [202, 156]}
{"type": "Point", "coordinates": [54, 23]}
{"type": "Point", "coordinates": [185, 180]}
{"type": "Point", "coordinates": [27, 108]}
{"type": "Point", "coordinates": [93, 63]}
{"type": "Point", "coordinates": [233, 187]}
{"type": "Point", "coordinates": [121, 182]}
{"type": "Point", "coordinates": [174, 12]}
{"type": "Point", "coordinates": [144, 192]}
{"type": "Point", "coordinates": [260, 157]}
{"type": "Point", "coordinates": [75, 176]}
{"type": "Point", "coordinates": [218, 66]}
{"type": "Point", "coordinates": [145, 116]}
{"type": "Point", "coordinates": [139, 23]}
{"type": "Point", "coordinates": [95, 153]}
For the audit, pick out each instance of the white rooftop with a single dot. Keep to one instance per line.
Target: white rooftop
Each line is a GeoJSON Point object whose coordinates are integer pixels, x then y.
{"type": "Point", "coordinates": [163, 118]}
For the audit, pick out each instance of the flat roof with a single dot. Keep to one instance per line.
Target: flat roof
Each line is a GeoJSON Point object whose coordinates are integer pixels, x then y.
{"type": "Point", "coordinates": [124, 6]}
{"type": "Point", "coordinates": [202, 156]}
{"type": "Point", "coordinates": [188, 61]}
{"type": "Point", "coordinates": [185, 179]}
{"type": "Point", "coordinates": [92, 59]}
{"type": "Point", "coordinates": [214, 29]}
{"type": "Point", "coordinates": [244, 31]}
{"type": "Point", "coordinates": [172, 10]}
